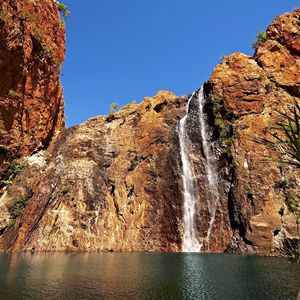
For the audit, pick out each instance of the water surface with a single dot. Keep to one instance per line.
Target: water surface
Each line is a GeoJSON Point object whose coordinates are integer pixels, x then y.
{"type": "Point", "coordinates": [147, 276]}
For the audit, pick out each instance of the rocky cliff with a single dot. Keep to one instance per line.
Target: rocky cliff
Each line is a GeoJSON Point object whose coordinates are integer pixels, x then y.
{"type": "Point", "coordinates": [32, 39]}
{"type": "Point", "coordinates": [115, 183]}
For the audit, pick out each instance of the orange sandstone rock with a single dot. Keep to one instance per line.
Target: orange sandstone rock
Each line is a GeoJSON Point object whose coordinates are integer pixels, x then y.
{"type": "Point", "coordinates": [32, 48]}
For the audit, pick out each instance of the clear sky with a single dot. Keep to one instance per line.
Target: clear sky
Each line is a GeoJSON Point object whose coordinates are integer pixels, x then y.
{"type": "Point", "coordinates": [124, 50]}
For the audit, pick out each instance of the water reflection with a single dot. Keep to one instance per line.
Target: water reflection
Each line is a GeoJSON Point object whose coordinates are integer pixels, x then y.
{"type": "Point", "coordinates": [146, 276]}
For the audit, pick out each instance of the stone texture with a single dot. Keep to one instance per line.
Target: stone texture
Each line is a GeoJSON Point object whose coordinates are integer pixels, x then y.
{"type": "Point", "coordinates": [108, 184]}
{"type": "Point", "coordinates": [285, 30]}
{"type": "Point", "coordinates": [32, 48]}
{"type": "Point", "coordinates": [253, 89]}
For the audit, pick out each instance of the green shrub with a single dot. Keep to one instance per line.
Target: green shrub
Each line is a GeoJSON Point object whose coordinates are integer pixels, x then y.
{"type": "Point", "coordinates": [220, 122]}
{"type": "Point", "coordinates": [261, 37]}
{"type": "Point", "coordinates": [63, 9]}
{"type": "Point", "coordinates": [287, 135]}
{"type": "Point", "coordinates": [38, 33]}
{"type": "Point", "coordinates": [291, 201]}
{"type": "Point", "coordinates": [228, 142]}
{"type": "Point", "coordinates": [18, 207]}
{"type": "Point", "coordinates": [51, 52]}
{"type": "Point", "coordinates": [113, 108]}
{"type": "Point", "coordinates": [10, 173]}
{"type": "Point", "coordinates": [30, 17]}
{"type": "Point", "coordinates": [168, 121]}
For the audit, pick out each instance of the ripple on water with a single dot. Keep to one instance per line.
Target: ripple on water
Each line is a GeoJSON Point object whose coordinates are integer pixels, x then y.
{"type": "Point", "coordinates": [147, 276]}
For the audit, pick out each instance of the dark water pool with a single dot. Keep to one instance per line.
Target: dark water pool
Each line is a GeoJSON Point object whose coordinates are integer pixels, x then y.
{"type": "Point", "coordinates": [147, 276]}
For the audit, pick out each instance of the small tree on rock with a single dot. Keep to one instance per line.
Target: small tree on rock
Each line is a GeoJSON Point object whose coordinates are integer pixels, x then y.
{"type": "Point", "coordinates": [113, 108]}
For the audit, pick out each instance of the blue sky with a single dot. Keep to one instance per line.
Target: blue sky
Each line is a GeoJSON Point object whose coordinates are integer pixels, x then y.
{"type": "Point", "coordinates": [124, 50]}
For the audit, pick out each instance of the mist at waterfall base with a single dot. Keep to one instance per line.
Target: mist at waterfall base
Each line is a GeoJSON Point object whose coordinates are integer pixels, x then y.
{"type": "Point", "coordinates": [147, 276]}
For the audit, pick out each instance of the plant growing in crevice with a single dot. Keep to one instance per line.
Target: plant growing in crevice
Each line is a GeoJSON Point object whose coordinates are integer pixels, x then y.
{"type": "Point", "coordinates": [290, 247]}
{"type": "Point", "coordinates": [38, 34]}
{"type": "Point", "coordinates": [133, 163]}
{"type": "Point", "coordinates": [286, 135]}
{"type": "Point", "coordinates": [51, 52]}
{"type": "Point", "coordinates": [63, 10]}
{"type": "Point", "coordinates": [18, 207]}
{"type": "Point", "coordinates": [113, 108]}
{"type": "Point", "coordinates": [11, 172]}
{"type": "Point", "coordinates": [30, 17]}
{"type": "Point", "coordinates": [221, 120]}
{"type": "Point", "coordinates": [261, 38]}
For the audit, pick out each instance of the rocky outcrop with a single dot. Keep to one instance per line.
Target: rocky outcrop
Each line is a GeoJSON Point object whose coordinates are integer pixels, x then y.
{"type": "Point", "coordinates": [115, 183]}
{"type": "Point", "coordinates": [252, 89]}
{"type": "Point", "coordinates": [32, 39]}
{"type": "Point", "coordinates": [108, 184]}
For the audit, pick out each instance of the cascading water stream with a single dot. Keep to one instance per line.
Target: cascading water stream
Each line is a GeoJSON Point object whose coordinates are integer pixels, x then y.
{"type": "Point", "coordinates": [191, 242]}
{"type": "Point", "coordinates": [211, 174]}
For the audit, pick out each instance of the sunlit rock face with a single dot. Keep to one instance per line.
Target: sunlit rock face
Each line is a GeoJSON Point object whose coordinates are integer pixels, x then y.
{"type": "Point", "coordinates": [32, 48]}
{"type": "Point", "coordinates": [109, 184]}
{"type": "Point", "coordinates": [115, 183]}
{"type": "Point", "coordinates": [252, 89]}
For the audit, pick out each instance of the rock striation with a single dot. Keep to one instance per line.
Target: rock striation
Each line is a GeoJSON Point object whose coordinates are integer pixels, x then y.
{"type": "Point", "coordinates": [32, 48]}
{"type": "Point", "coordinates": [114, 183]}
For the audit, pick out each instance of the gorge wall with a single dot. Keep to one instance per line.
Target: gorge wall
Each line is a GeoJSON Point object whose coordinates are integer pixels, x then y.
{"type": "Point", "coordinates": [32, 48]}
{"type": "Point", "coordinates": [114, 183]}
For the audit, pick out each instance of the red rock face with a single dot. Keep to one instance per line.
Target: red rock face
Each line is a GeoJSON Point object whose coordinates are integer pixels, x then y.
{"type": "Point", "coordinates": [32, 48]}
{"type": "Point", "coordinates": [108, 184]}
{"type": "Point", "coordinates": [252, 89]}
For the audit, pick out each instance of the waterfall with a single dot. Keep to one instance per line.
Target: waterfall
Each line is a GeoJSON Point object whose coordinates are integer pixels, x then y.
{"type": "Point", "coordinates": [212, 191]}
{"type": "Point", "coordinates": [191, 243]}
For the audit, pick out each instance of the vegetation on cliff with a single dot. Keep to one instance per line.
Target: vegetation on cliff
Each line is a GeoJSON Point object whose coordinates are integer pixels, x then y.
{"type": "Point", "coordinates": [286, 134]}
{"type": "Point", "coordinates": [261, 37]}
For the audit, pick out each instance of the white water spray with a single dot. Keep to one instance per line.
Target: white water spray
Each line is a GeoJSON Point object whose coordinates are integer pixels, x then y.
{"type": "Point", "coordinates": [190, 241]}
{"type": "Point", "coordinates": [211, 174]}
{"type": "Point", "coordinates": [190, 191]}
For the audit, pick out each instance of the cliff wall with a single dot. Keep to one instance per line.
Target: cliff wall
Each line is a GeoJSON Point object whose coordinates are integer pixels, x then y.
{"type": "Point", "coordinates": [115, 183]}
{"type": "Point", "coordinates": [32, 48]}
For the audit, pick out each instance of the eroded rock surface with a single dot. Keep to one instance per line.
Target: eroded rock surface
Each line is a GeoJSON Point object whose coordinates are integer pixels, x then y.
{"type": "Point", "coordinates": [108, 184]}
{"type": "Point", "coordinates": [253, 89]}
{"type": "Point", "coordinates": [32, 48]}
